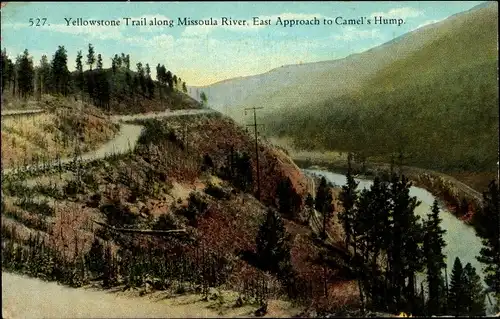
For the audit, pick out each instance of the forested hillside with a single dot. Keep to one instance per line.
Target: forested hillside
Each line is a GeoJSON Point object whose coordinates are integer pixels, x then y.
{"type": "Point", "coordinates": [119, 89]}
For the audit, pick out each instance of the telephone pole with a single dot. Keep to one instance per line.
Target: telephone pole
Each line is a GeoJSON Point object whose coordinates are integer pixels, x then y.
{"type": "Point", "coordinates": [255, 124]}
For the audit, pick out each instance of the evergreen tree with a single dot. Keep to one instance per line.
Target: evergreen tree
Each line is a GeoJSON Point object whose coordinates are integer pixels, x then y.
{"type": "Point", "coordinates": [4, 67]}
{"type": "Point", "coordinates": [243, 177]}
{"type": "Point", "coordinates": [184, 88]}
{"type": "Point", "coordinates": [169, 80]}
{"type": "Point", "coordinates": [348, 198]}
{"type": "Point", "coordinates": [203, 98]}
{"type": "Point", "coordinates": [95, 258]}
{"type": "Point", "coordinates": [474, 293]}
{"type": "Point", "coordinates": [372, 231]}
{"type": "Point", "coordinates": [406, 255]}
{"type": "Point", "coordinates": [127, 62]}
{"type": "Point", "coordinates": [141, 77]}
{"type": "Point", "coordinates": [149, 82]}
{"type": "Point", "coordinates": [273, 250]}
{"type": "Point", "coordinates": [91, 57]}
{"type": "Point", "coordinates": [321, 194]}
{"type": "Point", "coordinates": [174, 81]}
{"type": "Point", "coordinates": [114, 64]}
{"type": "Point", "coordinates": [60, 75]}
{"type": "Point", "coordinates": [287, 198]}
{"type": "Point", "coordinates": [43, 74]}
{"type": "Point", "coordinates": [327, 211]}
{"type": "Point", "coordinates": [434, 260]}
{"type": "Point", "coordinates": [99, 62]}
{"type": "Point", "coordinates": [26, 74]}
{"type": "Point", "coordinates": [487, 221]}
{"type": "Point", "coordinates": [79, 70]}
{"type": "Point", "coordinates": [457, 299]}
{"type": "Point", "coordinates": [283, 194]}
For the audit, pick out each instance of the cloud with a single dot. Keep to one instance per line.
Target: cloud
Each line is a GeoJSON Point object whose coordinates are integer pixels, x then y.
{"type": "Point", "coordinates": [405, 12]}
{"type": "Point", "coordinates": [350, 33]}
{"type": "Point", "coordinates": [427, 22]}
{"type": "Point", "coordinates": [90, 32]}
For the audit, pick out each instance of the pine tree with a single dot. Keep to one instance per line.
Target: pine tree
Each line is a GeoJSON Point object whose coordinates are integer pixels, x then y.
{"type": "Point", "coordinates": [434, 259]}
{"type": "Point", "coordinates": [203, 98]}
{"type": "Point", "coordinates": [91, 57]}
{"type": "Point", "coordinates": [99, 62]}
{"type": "Point", "coordinates": [348, 198]}
{"type": "Point", "coordinates": [405, 251]}
{"type": "Point", "coordinates": [327, 211]}
{"type": "Point", "coordinates": [60, 75]}
{"type": "Point", "coordinates": [474, 292]}
{"type": "Point", "coordinates": [174, 81]}
{"type": "Point", "coordinates": [487, 221]}
{"type": "Point", "coordinates": [457, 294]}
{"type": "Point", "coordinates": [184, 88]}
{"type": "Point", "coordinates": [4, 67]}
{"type": "Point", "coordinates": [169, 80]}
{"type": "Point", "coordinates": [273, 250]}
{"type": "Point", "coordinates": [26, 74]}
{"type": "Point", "coordinates": [79, 69]}
{"type": "Point", "coordinates": [43, 74]}
{"type": "Point", "coordinates": [141, 77]}
{"type": "Point", "coordinates": [114, 65]}
{"type": "Point", "coordinates": [284, 196]}
{"type": "Point", "coordinates": [320, 194]}
{"type": "Point", "coordinates": [149, 82]}
{"type": "Point", "coordinates": [95, 258]}
{"type": "Point", "coordinates": [127, 62]}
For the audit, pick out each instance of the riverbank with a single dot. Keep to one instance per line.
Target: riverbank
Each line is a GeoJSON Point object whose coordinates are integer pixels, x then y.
{"type": "Point", "coordinates": [461, 200]}
{"type": "Point", "coordinates": [461, 239]}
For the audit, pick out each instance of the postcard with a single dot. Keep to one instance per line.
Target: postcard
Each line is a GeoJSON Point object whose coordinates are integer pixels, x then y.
{"type": "Point", "coordinates": [250, 159]}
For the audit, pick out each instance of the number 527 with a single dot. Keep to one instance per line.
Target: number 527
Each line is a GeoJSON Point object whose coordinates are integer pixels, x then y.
{"type": "Point", "coordinates": [37, 22]}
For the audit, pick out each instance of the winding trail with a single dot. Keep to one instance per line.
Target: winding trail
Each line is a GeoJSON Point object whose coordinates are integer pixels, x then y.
{"type": "Point", "coordinates": [22, 112]}
{"type": "Point", "coordinates": [125, 141]}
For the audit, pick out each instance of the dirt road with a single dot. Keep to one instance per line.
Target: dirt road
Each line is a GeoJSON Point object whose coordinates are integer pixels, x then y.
{"type": "Point", "coordinates": [25, 297]}
{"type": "Point", "coordinates": [124, 141]}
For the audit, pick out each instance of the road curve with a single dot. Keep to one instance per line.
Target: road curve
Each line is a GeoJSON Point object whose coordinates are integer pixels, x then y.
{"type": "Point", "coordinates": [22, 112]}
{"type": "Point", "coordinates": [124, 142]}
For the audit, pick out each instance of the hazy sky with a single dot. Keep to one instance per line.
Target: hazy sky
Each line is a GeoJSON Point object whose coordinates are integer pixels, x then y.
{"type": "Point", "coordinates": [205, 54]}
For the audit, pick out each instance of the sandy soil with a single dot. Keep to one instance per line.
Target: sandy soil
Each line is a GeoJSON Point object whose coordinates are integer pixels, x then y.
{"type": "Point", "coordinates": [25, 297]}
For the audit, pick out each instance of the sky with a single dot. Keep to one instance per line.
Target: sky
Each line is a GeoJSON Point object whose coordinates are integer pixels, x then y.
{"type": "Point", "coordinates": [202, 55]}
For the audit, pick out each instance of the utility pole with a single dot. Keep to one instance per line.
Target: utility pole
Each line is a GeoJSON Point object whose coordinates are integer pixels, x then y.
{"type": "Point", "coordinates": [185, 137]}
{"type": "Point", "coordinates": [256, 145]}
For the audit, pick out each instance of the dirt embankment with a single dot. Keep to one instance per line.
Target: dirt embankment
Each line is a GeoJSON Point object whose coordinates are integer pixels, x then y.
{"type": "Point", "coordinates": [64, 128]}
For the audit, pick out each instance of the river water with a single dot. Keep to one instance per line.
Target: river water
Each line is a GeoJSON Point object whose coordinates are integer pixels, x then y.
{"type": "Point", "coordinates": [461, 239]}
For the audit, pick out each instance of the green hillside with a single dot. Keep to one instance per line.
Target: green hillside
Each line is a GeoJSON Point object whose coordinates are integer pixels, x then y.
{"type": "Point", "coordinates": [438, 105]}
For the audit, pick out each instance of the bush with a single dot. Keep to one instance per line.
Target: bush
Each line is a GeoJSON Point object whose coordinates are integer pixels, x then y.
{"type": "Point", "coordinates": [42, 208]}
{"type": "Point", "coordinates": [165, 222]}
{"type": "Point", "coordinates": [197, 206]}
{"type": "Point", "coordinates": [216, 191]}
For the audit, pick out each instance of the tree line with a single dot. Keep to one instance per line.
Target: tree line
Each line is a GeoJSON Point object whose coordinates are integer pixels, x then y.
{"type": "Point", "coordinates": [390, 246]}
{"type": "Point", "coordinates": [24, 79]}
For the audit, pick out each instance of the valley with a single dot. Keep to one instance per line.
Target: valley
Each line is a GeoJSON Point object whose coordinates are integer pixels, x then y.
{"type": "Point", "coordinates": [365, 186]}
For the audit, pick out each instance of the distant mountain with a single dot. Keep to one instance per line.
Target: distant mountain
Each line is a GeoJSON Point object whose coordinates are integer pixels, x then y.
{"type": "Point", "coordinates": [431, 94]}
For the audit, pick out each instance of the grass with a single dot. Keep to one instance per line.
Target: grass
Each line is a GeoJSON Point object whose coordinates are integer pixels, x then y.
{"type": "Point", "coordinates": [62, 129]}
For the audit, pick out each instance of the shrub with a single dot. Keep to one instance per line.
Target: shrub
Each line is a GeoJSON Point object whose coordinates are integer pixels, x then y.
{"type": "Point", "coordinates": [216, 191]}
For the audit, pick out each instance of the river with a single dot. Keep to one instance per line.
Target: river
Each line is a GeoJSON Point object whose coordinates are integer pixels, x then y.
{"type": "Point", "coordinates": [461, 239]}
